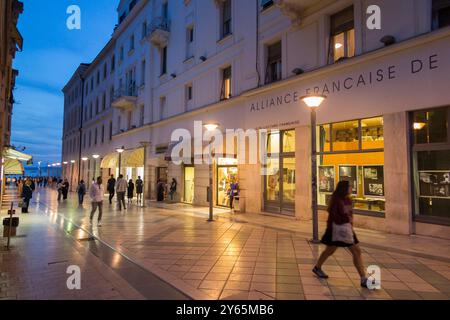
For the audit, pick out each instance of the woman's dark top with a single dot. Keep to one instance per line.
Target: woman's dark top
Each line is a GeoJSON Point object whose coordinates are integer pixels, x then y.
{"type": "Point", "coordinates": [130, 189]}
{"type": "Point", "coordinates": [27, 192]}
{"type": "Point", "coordinates": [139, 186]}
{"type": "Point", "coordinates": [340, 211]}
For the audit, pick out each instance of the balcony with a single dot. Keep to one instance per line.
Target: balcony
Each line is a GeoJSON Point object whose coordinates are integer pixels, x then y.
{"type": "Point", "coordinates": [296, 10]}
{"type": "Point", "coordinates": [125, 97]}
{"type": "Point", "coordinates": [159, 32]}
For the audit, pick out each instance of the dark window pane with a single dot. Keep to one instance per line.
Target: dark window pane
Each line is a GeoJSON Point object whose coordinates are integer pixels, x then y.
{"type": "Point", "coordinates": [430, 126]}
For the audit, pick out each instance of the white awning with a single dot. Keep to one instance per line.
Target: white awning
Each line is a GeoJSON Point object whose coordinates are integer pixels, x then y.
{"type": "Point", "coordinates": [13, 167]}
{"type": "Point", "coordinates": [10, 153]}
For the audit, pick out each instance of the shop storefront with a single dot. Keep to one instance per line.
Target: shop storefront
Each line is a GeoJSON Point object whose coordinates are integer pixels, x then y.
{"type": "Point", "coordinates": [227, 173]}
{"type": "Point", "coordinates": [189, 184]}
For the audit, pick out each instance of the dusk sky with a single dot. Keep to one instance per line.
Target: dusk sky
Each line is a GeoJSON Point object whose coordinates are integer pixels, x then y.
{"type": "Point", "coordinates": [51, 54]}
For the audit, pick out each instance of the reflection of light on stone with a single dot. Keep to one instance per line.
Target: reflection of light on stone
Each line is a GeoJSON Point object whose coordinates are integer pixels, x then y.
{"type": "Point", "coordinates": [116, 260]}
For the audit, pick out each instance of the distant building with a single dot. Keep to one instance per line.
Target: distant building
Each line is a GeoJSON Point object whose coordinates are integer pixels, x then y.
{"type": "Point", "coordinates": [383, 127]}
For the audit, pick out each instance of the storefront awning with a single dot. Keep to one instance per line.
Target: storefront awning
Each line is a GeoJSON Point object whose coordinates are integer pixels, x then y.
{"type": "Point", "coordinates": [13, 167]}
{"type": "Point", "coordinates": [133, 158]}
{"type": "Point", "coordinates": [110, 161]}
{"type": "Point", "coordinates": [12, 154]}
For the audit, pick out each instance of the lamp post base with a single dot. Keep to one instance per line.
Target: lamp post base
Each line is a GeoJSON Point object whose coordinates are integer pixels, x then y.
{"type": "Point", "coordinates": [210, 220]}
{"type": "Point", "coordinates": [314, 241]}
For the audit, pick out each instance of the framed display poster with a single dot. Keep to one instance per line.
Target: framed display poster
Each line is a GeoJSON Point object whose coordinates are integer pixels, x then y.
{"type": "Point", "coordinates": [434, 184]}
{"type": "Point", "coordinates": [373, 181]}
{"type": "Point", "coordinates": [349, 173]}
{"type": "Point", "coordinates": [326, 179]}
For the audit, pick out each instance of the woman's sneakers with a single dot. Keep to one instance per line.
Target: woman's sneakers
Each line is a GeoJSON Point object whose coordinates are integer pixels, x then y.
{"type": "Point", "coordinates": [319, 272]}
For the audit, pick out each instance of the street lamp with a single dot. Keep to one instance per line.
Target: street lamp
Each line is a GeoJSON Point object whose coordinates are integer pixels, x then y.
{"type": "Point", "coordinates": [210, 127]}
{"type": "Point", "coordinates": [95, 156]}
{"type": "Point", "coordinates": [313, 102]}
{"type": "Point", "coordinates": [120, 151]}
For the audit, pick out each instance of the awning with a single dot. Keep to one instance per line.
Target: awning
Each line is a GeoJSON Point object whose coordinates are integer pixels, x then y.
{"type": "Point", "coordinates": [110, 161]}
{"type": "Point", "coordinates": [13, 167]}
{"type": "Point", "coordinates": [10, 153]}
{"type": "Point", "coordinates": [133, 158]}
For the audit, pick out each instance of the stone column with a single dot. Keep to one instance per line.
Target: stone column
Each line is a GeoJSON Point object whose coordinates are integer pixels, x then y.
{"type": "Point", "coordinates": [303, 173]}
{"type": "Point", "coordinates": [397, 174]}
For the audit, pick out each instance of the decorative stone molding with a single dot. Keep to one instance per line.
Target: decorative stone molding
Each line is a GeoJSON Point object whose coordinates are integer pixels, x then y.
{"type": "Point", "coordinates": [292, 9]}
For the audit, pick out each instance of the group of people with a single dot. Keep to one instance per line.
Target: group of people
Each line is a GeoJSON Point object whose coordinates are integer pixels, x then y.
{"type": "Point", "coordinates": [161, 190]}
{"type": "Point", "coordinates": [122, 187]}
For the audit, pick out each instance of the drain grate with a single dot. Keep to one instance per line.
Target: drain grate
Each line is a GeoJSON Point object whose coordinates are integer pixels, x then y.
{"type": "Point", "coordinates": [87, 239]}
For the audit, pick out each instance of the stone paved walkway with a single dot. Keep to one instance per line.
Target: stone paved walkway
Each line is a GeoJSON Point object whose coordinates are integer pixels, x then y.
{"type": "Point", "coordinates": [248, 256]}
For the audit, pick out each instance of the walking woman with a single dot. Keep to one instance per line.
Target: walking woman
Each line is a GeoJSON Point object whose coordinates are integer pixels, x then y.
{"type": "Point", "coordinates": [130, 191]}
{"type": "Point", "coordinates": [139, 189]}
{"type": "Point", "coordinates": [339, 232]}
{"type": "Point", "coordinates": [27, 195]}
{"type": "Point", "coordinates": [96, 193]}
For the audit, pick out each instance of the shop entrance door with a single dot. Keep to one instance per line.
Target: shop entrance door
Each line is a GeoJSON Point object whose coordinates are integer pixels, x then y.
{"type": "Point", "coordinates": [189, 175]}
{"type": "Point", "coordinates": [279, 180]}
{"type": "Point", "coordinates": [226, 174]}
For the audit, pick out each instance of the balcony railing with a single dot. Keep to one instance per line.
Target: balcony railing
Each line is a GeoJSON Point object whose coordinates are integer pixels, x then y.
{"type": "Point", "coordinates": [158, 32]}
{"type": "Point", "coordinates": [125, 97]}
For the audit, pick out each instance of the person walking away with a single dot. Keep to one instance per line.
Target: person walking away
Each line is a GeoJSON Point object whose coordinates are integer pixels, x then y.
{"type": "Point", "coordinates": [27, 195]}
{"type": "Point", "coordinates": [59, 187]}
{"type": "Point", "coordinates": [233, 192]}
{"type": "Point", "coordinates": [65, 189]}
{"type": "Point", "coordinates": [139, 189]}
{"type": "Point", "coordinates": [340, 233]}
{"type": "Point", "coordinates": [160, 191]}
{"type": "Point", "coordinates": [173, 188]}
{"type": "Point", "coordinates": [121, 189]}
{"type": "Point", "coordinates": [96, 193]}
{"type": "Point", "coordinates": [81, 191]}
{"type": "Point", "coordinates": [130, 191]}
{"type": "Point", "coordinates": [111, 188]}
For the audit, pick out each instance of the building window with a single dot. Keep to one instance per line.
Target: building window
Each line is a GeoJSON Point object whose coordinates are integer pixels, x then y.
{"type": "Point", "coordinates": [141, 116]}
{"type": "Point", "coordinates": [98, 77]}
{"type": "Point", "coordinates": [431, 164]}
{"type": "Point", "coordinates": [353, 151]}
{"type": "Point", "coordinates": [121, 54]}
{"type": "Point", "coordinates": [92, 84]}
{"type": "Point", "coordinates": [104, 101]}
{"type": "Point", "coordinates": [111, 95]}
{"type": "Point", "coordinates": [84, 141]}
{"type": "Point", "coordinates": [87, 89]}
{"type": "Point", "coordinates": [225, 12]}
{"type": "Point", "coordinates": [105, 71]}
{"type": "Point", "coordinates": [103, 133]}
{"type": "Point", "coordinates": [226, 84]}
{"type": "Point", "coordinates": [164, 61]}
{"type": "Point", "coordinates": [113, 63]}
{"type": "Point", "coordinates": [274, 63]}
{"type": "Point", "coordinates": [162, 108]}
{"type": "Point", "coordinates": [90, 138]}
{"type": "Point", "coordinates": [266, 4]}
{"type": "Point", "coordinates": [143, 65]}
{"type": "Point", "coordinates": [95, 137]}
{"type": "Point", "coordinates": [97, 110]}
{"type": "Point", "coordinates": [279, 181]}
{"type": "Point", "coordinates": [441, 14]}
{"type": "Point", "coordinates": [132, 43]}
{"type": "Point", "coordinates": [110, 130]}
{"type": "Point", "coordinates": [189, 92]}
{"type": "Point", "coordinates": [342, 35]}
{"type": "Point", "coordinates": [189, 42]}
{"type": "Point", "coordinates": [144, 29]}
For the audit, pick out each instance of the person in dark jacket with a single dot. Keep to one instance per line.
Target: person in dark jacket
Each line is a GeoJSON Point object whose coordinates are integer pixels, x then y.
{"type": "Point", "coordinates": [65, 189]}
{"type": "Point", "coordinates": [130, 191]}
{"type": "Point", "coordinates": [111, 188]}
{"type": "Point", "coordinates": [173, 188]}
{"type": "Point", "coordinates": [27, 195]}
{"type": "Point", "coordinates": [139, 189]}
{"type": "Point", "coordinates": [340, 211]}
{"type": "Point", "coordinates": [81, 191]}
{"type": "Point", "coordinates": [160, 191]}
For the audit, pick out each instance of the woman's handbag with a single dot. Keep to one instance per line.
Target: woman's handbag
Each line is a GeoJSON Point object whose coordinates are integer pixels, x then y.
{"type": "Point", "coordinates": [21, 204]}
{"type": "Point", "coordinates": [343, 233]}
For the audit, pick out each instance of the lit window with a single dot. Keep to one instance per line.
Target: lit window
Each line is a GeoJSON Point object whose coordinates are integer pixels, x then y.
{"type": "Point", "coordinates": [342, 36]}
{"type": "Point", "coordinates": [274, 63]}
{"type": "Point", "coordinates": [226, 84]}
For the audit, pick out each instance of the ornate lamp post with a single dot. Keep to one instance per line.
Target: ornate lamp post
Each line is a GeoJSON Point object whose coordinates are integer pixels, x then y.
{"type": "Point", "coordinates": [210, 127]}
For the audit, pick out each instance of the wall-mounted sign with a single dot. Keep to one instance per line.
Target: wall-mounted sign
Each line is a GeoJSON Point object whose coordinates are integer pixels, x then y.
{"type": "Point", "coordinates": [373, 181]}
{"type": "Point", "coordinates": [326, 179]}
{"type": "Point", "coordinates": [349, 173]}
{"type": "Point", "coordinates": [434, 184]}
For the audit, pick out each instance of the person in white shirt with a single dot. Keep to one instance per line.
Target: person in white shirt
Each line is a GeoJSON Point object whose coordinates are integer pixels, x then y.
{"type": "Point", "coordinates": [121, 188]}
{"type": "Point", "coordinates": [96, 193]}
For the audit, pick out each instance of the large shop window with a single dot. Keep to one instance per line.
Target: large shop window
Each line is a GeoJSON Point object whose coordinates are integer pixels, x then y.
{"type": "Point", "coordinates": [431, 164]}
{"type": "Point", "coordinates": [353, 151]}
{"type": "Point", "coordinates": [279, 185]}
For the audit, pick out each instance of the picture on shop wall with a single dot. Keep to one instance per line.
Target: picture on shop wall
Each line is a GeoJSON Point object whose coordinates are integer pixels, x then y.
{"type": "Point", "coordinates": [373, 181]}
{"type": "Point", "coordinates": [435, 184]}
{"type": "Point", "coordinates": [326, 179]}
{"type": "Point", "coordinates": [350, 174]}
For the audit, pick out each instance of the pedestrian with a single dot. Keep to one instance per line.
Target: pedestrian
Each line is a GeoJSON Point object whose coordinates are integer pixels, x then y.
{"type": "Point", "coordinates": [160, 190]}
{"type": "Point", "coordinates": [96, 194]}
{"type": "Point", "coordinates": [340, 233]}
{"type": "Point", "coordinates": [27, 195]}
{"type": "Point", "coordinates": [121, 189]}
{"type": "Point", "coordinates": [233, 192]}
{"type": "Point", "coordinates": [139, 189]}
{"type": "Point", "coordinates": [81, 191]}
{"type": "Point", "coordinates": [65, 189]}
{"type": "Point", "coordinates": [130, 191]}
{"type": "Point", "coordinates": [20, 186]}
{"type": "Point", "coordinates": [111, 188]}
{"type": "Point", "coordinates": [59, 187]}
{"type": "Point", "coordinates": [173, 188]}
